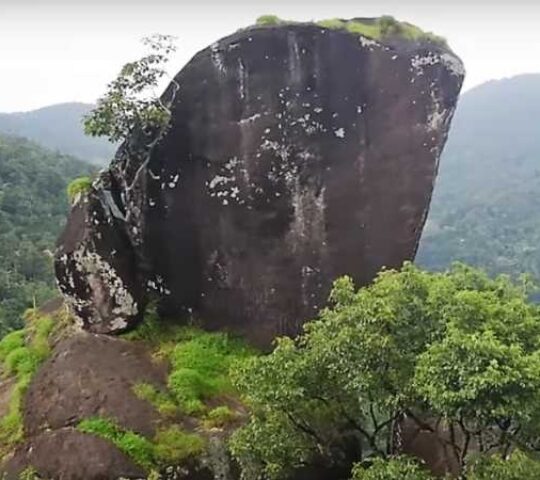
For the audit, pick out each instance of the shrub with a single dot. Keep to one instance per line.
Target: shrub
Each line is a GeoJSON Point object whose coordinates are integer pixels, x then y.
{"type": "Point", "coordinates": [79, 186]}
{"type": "Point", "coordinates": [10, 342]}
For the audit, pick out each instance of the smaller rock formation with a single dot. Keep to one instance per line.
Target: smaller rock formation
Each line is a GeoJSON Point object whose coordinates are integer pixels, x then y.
{"type": "Point", "coordinates": [93, 376]}
{"type": "Point", "coordinates": [96, 266]}
{"type": "Point", "coordinates": [71, 455]}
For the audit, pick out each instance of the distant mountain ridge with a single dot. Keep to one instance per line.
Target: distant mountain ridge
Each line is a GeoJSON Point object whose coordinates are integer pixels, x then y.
{"type": "Point", "coordinates": [486, 205]}
{"type": "Point", "coordinates": [59, 127]}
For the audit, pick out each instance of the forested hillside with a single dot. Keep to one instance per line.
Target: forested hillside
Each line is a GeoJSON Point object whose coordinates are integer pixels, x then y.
{"type": "Point", "coordinates": [59, 127]}
{"type": "Point", "coordinates": [33, 206]}
{"type": "Point", "coordinates": [485, 209]}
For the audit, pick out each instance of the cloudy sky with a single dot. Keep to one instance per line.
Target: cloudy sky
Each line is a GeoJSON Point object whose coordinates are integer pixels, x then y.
{"type": "Point", "coordinates": [55, 51]}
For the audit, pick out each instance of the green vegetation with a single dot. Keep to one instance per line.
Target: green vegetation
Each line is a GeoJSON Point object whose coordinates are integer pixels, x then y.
{"type": "Point", "coordinates": [377, 28]}
{"type": "Point", "coordinates": [169, 446]}
{"type": "Point", "coordinates": [219, 417]}
{"type": "Point", "coordinates": [381, 28]}
{"type": "Point", "coordinates": [29, 473]}
{"type": "Point", "coordinates": [79, 186]}
{"type": "Point", "coordinates": [162, 401]}
{"type": "Point", "coordinates": [59, 128]}
{"type": "Point", "coordinates": [128, 103]}
{"type": "Point", "coordinates": [21, 353]}
{"type": "Point", "coordinates": [456, 347]}
{"type": "Point", "coordinates": [400, 467]}
{"type": "Point", "coordinates": [200, 368]}
{"type": "Point", "coordinates": [135, 446]}
{"type": "Point", "coordinates": [269, 20]}
{"type": "Point", "coordinates": [485, 206]}
{"type": "Point", "coordinates": [200, 364]}
{"type": "Point", "coordinates": [33, 207]}
{"type": "Point", "coordinates": [172, 446]}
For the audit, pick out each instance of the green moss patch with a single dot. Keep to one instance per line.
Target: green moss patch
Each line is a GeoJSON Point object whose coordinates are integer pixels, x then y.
{"type": "Point", "coordinates": [79, 186]}
{"type": "Point", "coordinates": [21, 354]}
{"type": "Point", "coordinates": [169, 446]}
{"type": "Point", "coordinates": [173, 445]}
{"type": "Point", "coordinates": [381, 28]}
{"type": "Point", "coordinates": [138, 448]}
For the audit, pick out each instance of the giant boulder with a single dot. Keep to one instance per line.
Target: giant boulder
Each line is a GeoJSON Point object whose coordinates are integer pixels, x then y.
{"type": "Point", "coordinates": [295, 154]}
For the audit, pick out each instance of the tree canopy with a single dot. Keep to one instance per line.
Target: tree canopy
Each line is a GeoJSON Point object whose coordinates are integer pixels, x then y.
{"type": "Point", "coordinates": [33, 207]}
{"type": "Point", "coordinates": [454, 353]}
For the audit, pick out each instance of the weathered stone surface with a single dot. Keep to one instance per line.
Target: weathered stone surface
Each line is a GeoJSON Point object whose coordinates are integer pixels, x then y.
{"type": "Point", "coordinates": [70, 455]}
{"type": "Point", "coordinates": [295, 154]}
{"type": "Point", "coordinates": [95, 263]}
{"type": "Point", "coordinates": [88, 376]}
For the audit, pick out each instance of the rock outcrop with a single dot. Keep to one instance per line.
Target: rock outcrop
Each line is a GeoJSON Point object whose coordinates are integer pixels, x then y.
{"type": "Point", "coordinates": [295, 154]}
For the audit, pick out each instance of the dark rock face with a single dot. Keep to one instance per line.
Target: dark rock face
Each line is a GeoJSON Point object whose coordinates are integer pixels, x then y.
{"type": "Point", "coordinates": [71, 455]}
{"type": "Point", "coordinates": [295, 154]}
{"type": "Point", "coordinates": [95, 264]}
{"type": "Point", "coordinates": [92, 376]}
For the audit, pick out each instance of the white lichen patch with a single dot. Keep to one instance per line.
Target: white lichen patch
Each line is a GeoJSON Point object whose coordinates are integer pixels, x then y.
{"type": "Point", "coordinates": [368, 42]}
{"type": "Point", "coordinates": [449, 61]}
{"type": "Point", "coordinates": [217, 58]}
{"type": "Point", "coordinates": [250, 119]}
{"type": "Point", "coordinates": [453, 64]}
{"type": "Point", "coordinates": [103, 282]}
{"type": "Point", "coordinates": [340, 132]}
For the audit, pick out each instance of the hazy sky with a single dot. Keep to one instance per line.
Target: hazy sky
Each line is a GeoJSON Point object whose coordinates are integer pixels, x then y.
{"type": "Point", "coordinates": [55, 51]}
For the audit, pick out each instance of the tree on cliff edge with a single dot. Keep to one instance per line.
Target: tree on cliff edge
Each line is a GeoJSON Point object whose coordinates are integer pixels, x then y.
{"type": "Point", "coordinates": [452, 359]}
{"type": "Point", "coordinates": [129, 102]}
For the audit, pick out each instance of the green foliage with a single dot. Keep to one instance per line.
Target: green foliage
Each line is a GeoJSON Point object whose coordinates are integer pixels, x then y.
{"type": "Point", "coordinates": [381, 28]}
{"type": "Point", "coordinates": [518, 467]}
{"type": "Point", "coordinates": [402, 468]}
{"type": "Point", "coordinates": [378, 28]}
{"type": "Point", "coordinates": [58, 128]}
{"type": "Point", "coordinates": [21, 354]}
{"type": "Point", "coordinates": [33, 207]}
{"type": "Point", "coordinates": [200, 363]}
{"type": "Point", "coordinates": [200, 368]}
{"type": "Point", "coordinates": [29, 473]}
{"type": "Point", "coordinates": [161, 401]}
{"type": "Point", "coordinates": [219, 417]}
{"type": "Point", "coordinates": [172, 446]}
{"type": "Point", "coordinates": [126, 106]}
{"type": "Point", "coordinates": [269, 20]}
{"type": "Point", "coordinates": [138, 448]}
{"type": "Point", "coordinates": [485, 205]}
{"type": "Point", "coordinates": [457, 346]}
{"type": "Point", "coordinates": [79, 186]}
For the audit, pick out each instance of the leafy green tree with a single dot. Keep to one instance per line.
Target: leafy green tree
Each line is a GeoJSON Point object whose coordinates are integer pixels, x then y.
{"type": "Point", "coordinates": [456, 348]}
{"type": "Point", "coordinates": [129, 103]}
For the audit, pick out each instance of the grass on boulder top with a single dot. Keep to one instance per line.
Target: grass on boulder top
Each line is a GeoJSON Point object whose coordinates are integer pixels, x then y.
{"type": "Point", "coordinates": [377, 29]}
